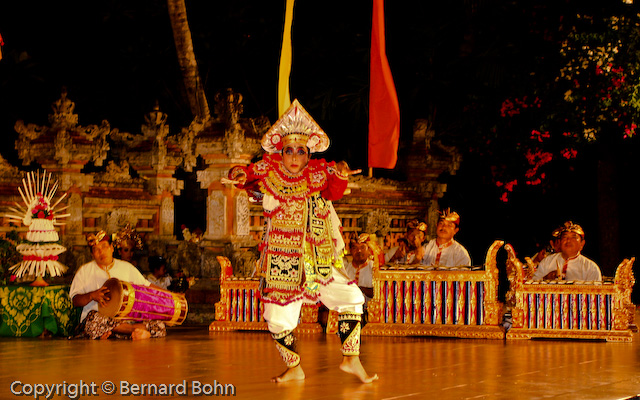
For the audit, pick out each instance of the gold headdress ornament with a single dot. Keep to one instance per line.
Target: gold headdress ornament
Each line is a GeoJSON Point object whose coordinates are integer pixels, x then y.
{"type": "Point", "coordinates": [416, 224]}
{"type": "Point", "coordinates": [364, 238]}
{"type": "Point", "coordinates": [125, 234]}
{"type": "Point", "coordinates": [450, 216]}
{"type": "Point", "coordinates": [93, 240]}
{"type": "Point", "coordinates": [569, 226]}
{"type": "Point", "coordinates": [295, 126]}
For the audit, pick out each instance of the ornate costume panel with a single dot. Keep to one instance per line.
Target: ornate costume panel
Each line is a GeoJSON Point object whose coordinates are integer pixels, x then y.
{"type": "Point", "coordinates": [297, 250]}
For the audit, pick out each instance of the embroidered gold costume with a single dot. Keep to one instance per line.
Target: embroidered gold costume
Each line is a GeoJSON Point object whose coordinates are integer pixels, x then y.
{"type": "Point", "coordinates": [298, 247]}
{"type": "Point", "coordinates": [302, 245]}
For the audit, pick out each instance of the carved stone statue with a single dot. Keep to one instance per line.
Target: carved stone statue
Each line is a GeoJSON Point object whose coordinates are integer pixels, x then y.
{"type": "Point", "coordinates": [228, 107]}
{"type": "Point", "coordinates": [66, 142]}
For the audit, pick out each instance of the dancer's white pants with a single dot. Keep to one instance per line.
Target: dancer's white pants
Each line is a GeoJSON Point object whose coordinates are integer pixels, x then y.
{"type": "Point", "coordinates": [338, 296]}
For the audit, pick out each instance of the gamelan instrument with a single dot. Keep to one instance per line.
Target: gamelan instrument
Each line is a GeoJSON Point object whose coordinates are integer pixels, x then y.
{"type": "Point", "coordinates": [137, 303]}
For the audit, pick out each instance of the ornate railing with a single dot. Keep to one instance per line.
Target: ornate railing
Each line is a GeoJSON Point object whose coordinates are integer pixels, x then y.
{"type": "Point", "coordinates": [560, 309]}
{"type": "Point", "coordinates": [240, 307]}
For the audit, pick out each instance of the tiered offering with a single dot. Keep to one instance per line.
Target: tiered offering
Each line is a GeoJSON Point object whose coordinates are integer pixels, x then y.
{"type": "Point", "coordinates": [41, 249]}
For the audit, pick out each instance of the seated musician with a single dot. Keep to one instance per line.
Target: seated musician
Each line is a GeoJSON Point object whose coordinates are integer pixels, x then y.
{"type": "Point", "coordinates": [158, 275]}
{"type": "Point", "coordinates": [568, 263]}
{"type": "Point", "coordinates": [125, 242]}
{"type": "Point", "coordinates": [88, 290]}
{"type": "Point", "coordinates": [360, 268]}
{"type": "Point", "coordinates": [552, 248]}
{"type": "Point", "coordinates": [409, 249]}
{"type": "Point", "coordinates": [444, 250]}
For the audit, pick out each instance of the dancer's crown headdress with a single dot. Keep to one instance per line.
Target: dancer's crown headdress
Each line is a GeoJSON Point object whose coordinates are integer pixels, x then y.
{"type": "Point", "coordinates": [295, 126]}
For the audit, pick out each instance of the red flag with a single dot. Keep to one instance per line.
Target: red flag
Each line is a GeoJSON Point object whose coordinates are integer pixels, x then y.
{"type": "Point", "coordinates": [384, 111]}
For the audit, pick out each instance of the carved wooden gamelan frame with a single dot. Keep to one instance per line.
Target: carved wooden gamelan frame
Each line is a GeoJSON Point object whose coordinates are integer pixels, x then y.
{"type": "Point", "coordinates": [558, 309]}
{"type": "Point", "coordinates": [240, 307]}
{"type": "Point", "coordinates": [420, 300]}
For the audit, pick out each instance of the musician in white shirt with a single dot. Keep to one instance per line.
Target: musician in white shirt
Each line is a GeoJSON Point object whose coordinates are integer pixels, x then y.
{"type": "Point", "coordinates": [158, 275]}
{"type": "Point", "coordinates": [409, 249]}
{"type": "Point", "coordinates": [360, 268]}
{"type": "Point", "coordinates": [569, 264]}
{"type": "Point", "coordinates": [444, 250]}
{"type": "Point", "coordinates": [88, 291]}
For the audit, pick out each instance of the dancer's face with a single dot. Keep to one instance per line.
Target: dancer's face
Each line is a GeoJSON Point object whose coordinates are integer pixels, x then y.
{"type": "Point", "coordinates": [295, 157]}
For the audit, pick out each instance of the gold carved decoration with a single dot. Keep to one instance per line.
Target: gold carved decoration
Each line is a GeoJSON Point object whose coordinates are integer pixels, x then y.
{"type": "Point", "coordinates": [240, 307]}
{"type": "Point", "coordinates": [486, 327]}
{"type": "Point", "coordinates": [480, 320]}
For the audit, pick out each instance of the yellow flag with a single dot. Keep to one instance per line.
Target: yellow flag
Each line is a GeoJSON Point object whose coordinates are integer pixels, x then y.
{"type": "Point", "coordinates": [284, 97]}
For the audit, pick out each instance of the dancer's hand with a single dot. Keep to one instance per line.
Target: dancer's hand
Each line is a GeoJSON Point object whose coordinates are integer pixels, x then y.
{"type": "Point", "coordinates": [240, 180]}
{"type": "Point", "coordinates": [344, 169]}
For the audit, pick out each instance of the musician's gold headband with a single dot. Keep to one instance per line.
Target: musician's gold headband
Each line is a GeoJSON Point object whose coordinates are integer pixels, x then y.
{"type": "Point", "coordinates": [93, 240]}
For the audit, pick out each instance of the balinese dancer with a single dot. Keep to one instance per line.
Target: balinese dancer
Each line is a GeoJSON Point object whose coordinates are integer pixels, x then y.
{"type": "Point", "coordinates": [302, 246]}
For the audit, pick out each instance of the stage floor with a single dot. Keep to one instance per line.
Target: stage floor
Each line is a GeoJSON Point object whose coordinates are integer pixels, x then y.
{"type": "Point", "coordinates": [409, 367]}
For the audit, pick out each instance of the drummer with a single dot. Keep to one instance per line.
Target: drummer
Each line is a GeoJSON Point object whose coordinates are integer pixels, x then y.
{"type": "Point", "coordinates": [88, 291]}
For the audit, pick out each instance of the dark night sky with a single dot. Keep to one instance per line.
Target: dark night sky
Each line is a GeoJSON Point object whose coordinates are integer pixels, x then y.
{"type": "Point", "coordinates": [117, 57]}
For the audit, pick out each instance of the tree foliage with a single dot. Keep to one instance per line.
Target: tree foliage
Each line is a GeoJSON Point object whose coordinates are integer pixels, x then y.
{"type": "Point", "coordinates": [585, 95]}
{"type": "Point", "coordinates": [600, 77]}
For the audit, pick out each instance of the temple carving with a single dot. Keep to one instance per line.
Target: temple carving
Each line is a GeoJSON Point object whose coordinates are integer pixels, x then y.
{"type": "Point", "coordinates": [114, 178]}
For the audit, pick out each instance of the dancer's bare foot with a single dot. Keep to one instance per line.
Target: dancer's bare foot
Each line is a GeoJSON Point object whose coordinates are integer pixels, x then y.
{"type": "Point", "coordinates": [106, 335]}
{"type": "Point", "coordinates": [291, 374]}
{"type": "Point", "coordinates": [140, 334]}
{"type": "Point", "coordinates": [352, 365]}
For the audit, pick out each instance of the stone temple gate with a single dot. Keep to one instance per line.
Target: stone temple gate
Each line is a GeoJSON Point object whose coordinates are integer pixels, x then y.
{"type": "Point", "coordinates": [132, 180]}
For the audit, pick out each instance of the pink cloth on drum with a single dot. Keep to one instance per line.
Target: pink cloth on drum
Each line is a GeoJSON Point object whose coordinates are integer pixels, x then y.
{"type": "Point", "coordinates": [151, 303]}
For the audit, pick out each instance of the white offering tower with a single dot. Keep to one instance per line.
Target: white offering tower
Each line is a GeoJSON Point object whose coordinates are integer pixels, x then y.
{"type": "Point", "coordinates": [41, 249]}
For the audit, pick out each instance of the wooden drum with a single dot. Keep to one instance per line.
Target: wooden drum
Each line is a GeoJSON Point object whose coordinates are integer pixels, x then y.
{"type": "Point", "coordinates": [137, 303]}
